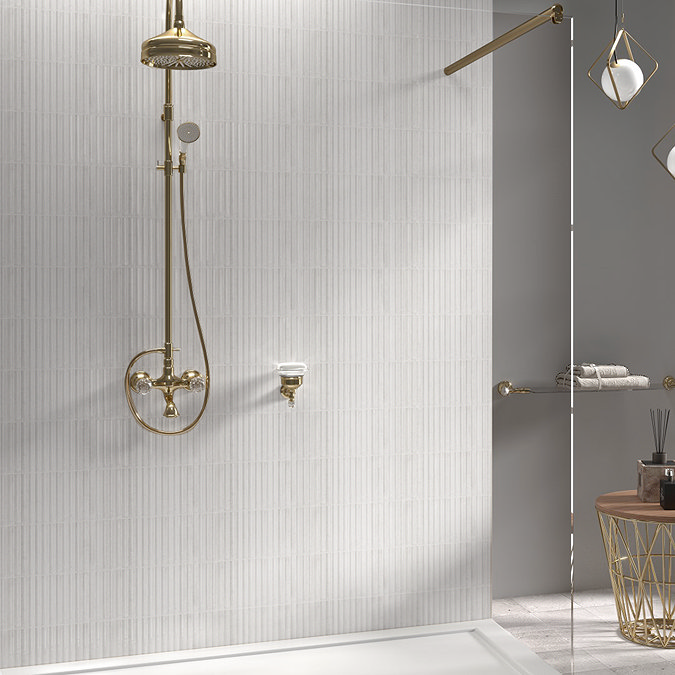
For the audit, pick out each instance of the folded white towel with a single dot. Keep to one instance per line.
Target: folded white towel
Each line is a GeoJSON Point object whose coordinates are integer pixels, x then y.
{"type": "Point", "coordinates": [591, 370]}
{"type": "Point", "coordinates": [602, 383]}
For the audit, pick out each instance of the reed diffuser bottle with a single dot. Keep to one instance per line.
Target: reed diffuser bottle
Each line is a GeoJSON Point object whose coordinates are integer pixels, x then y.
{"type": "Point", "coordinates": [651, 472]}
{"type": "Point", "coordinates": [659, 428]}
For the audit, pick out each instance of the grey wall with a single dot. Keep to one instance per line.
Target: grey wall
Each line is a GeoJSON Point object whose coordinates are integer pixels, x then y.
{"type": "Point", "coordinates": [624, 239]}
{"type": "Point", "coordinates": [531, 298]}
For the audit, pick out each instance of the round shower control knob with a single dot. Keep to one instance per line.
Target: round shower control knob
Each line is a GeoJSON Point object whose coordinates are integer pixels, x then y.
{"type": "Point", "coordinates": [197, 385]}
{"type": "Point", "coordinates": [141, 382]}
{"type": "Point", "coordinates": [195, 381]}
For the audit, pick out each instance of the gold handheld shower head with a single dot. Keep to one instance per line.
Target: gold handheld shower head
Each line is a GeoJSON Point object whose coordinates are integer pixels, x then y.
{"type": "Point", "coordinates": [178, 48]}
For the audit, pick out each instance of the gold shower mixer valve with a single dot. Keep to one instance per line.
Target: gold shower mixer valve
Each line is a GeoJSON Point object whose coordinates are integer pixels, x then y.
{"type": "Point", "coordinates": [191, 380]}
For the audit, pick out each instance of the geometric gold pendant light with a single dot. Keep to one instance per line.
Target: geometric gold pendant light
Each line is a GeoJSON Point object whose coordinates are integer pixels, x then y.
{"type": "Point", "coordinates": [619, 75]}
{"type": "Point", "coordinates": [664, 151]}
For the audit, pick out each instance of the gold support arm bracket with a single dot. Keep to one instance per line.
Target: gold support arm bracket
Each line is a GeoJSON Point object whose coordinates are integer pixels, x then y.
{"type": "Point", "coordinates": [553, 14]}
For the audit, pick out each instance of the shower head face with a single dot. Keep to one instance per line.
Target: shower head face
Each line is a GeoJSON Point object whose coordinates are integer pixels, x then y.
{"type": "Point", "coordinates": [178, 49]}
{"type": "Point", "coordinates": [188, 132]}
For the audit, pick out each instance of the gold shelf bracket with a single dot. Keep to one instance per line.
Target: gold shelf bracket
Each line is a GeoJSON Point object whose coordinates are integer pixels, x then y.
{"type": "Point", "coordinates": [553, 14]}
{"type": "Point", "coordinates": [506, 388]}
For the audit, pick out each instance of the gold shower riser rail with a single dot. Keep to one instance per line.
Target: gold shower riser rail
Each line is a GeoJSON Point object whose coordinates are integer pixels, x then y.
{"type": "Point", "coordinates": [553, 14]}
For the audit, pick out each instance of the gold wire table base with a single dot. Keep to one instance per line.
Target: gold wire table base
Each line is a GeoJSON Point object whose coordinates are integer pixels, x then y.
{"type": "Point", "coordinates": [641, 560]}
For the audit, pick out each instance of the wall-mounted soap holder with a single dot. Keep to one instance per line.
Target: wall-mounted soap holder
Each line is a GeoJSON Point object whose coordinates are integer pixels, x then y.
{"type": "Point", "coordinates": [291, 375]}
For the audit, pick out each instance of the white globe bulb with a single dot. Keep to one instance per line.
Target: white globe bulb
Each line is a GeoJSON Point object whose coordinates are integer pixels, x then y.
{"type": "Point", "coordinates": [627, 76]}
{"type": "Point", "coordinates": [670, 162]}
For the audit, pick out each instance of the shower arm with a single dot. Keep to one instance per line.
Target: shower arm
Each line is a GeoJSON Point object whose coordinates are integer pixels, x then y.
{"type": "Point", "coordinates": [176, 20]}
{"type": "Point", "coordinates": [553, 14]}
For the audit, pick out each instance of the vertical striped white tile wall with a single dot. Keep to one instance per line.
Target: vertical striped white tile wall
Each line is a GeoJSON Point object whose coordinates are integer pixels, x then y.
{"type": "Point", "coordinates": [339, 207]}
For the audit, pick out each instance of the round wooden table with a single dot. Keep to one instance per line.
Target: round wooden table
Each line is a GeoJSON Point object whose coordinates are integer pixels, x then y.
{"type": "Point", "coordinates": [640, 550]}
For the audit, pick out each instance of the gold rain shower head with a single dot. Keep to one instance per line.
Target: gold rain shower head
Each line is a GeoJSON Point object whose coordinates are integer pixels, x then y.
{"type": "Point", "coordinates": [178, 48]}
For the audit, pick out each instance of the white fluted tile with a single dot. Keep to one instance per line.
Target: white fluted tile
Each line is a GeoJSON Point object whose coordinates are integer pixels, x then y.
{"type": "Point", "coordinates": [339, 206]}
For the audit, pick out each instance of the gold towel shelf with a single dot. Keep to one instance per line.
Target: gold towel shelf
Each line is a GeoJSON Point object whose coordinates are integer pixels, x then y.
{"type": "Point", "coordinates": [506, 388]}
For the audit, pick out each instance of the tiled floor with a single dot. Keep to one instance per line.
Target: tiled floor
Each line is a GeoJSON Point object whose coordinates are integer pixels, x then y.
{"type": "Point", "coordinates": [594, 646]}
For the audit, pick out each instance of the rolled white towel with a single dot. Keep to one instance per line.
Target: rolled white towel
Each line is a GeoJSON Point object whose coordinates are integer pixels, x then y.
{"type": "Point", "coordinates": [591, 370]}
{"type": "Point", "coordinates": [602, 383]}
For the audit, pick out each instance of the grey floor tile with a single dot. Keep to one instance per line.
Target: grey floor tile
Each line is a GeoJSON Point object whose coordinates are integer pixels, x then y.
{"type": "Point", "coordinates": [544, 639]}
{"type": "Point", "coordinates": [505, 606]}
{"type": "Point", "coordinates": [519, 619]}
{"type": "Point", "coordinates": [561, 659]}
{"type": "Point", "coordinates": [562, 618]}
{"type": "Point", "coordinates": [604, 596]}
{"type": "Point", "coordinates": [544, 603]}
{"type": "Point", "coordinates": [646, 669]}
{"type": "Point", "coordinates": [543, 624]}
{"type": "Point", "coordinates": [581, 662]}
{"type": "Point", "coordinates": [628, 654]}
{"type": "Point", "coordinates": [668, 655]}
{"type": "Point", "coordinates": [604, 612]}
{"type": "Point", "coordinates": [585, 662]}
{"type": "Point", "coordinates": [598, 635]}
{"type": "Point", "coordinates": [520, 632]}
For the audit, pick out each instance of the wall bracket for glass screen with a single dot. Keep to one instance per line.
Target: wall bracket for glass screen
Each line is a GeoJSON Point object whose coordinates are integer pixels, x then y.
{"type": "Point", "coordinates": [553, 14]}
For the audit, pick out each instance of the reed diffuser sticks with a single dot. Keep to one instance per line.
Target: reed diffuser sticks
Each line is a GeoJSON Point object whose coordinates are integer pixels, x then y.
{"type": "Point", "coordinates": [659, 429]}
